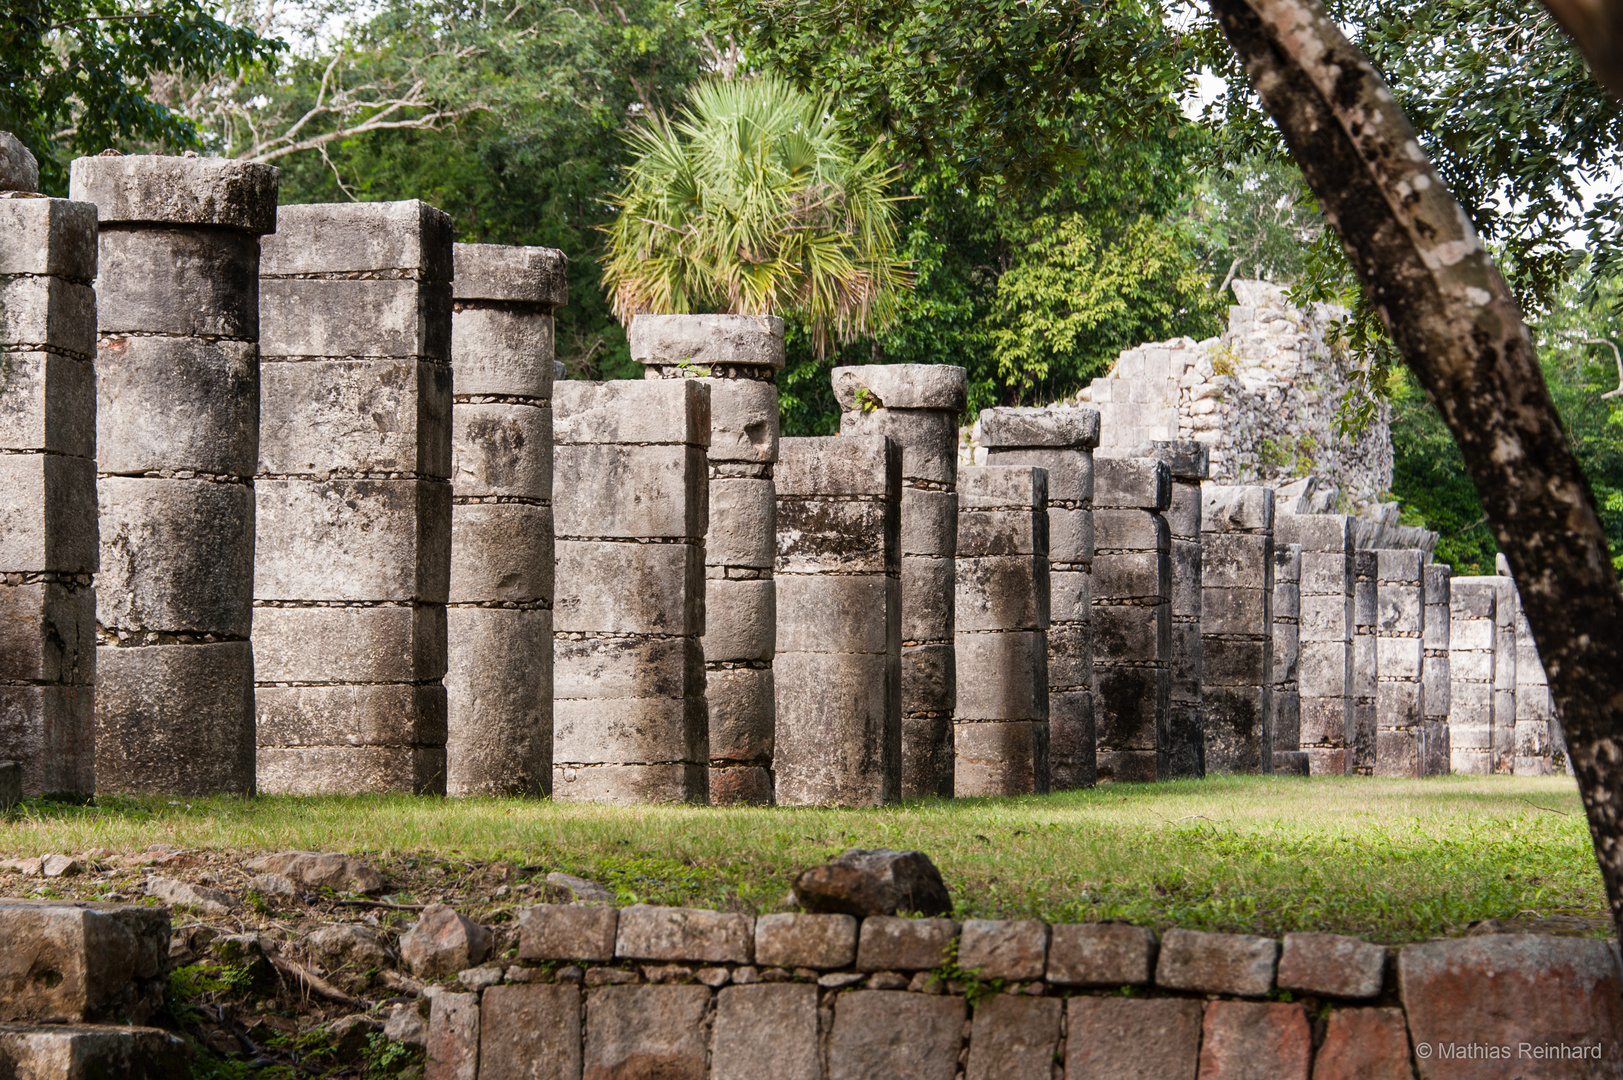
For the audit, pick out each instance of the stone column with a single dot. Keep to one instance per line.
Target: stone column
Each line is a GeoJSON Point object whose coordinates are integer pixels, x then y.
{"type": "Point", "coordinates": [1132, 619]}
{"type": "Point", "coordinates": [1505, 673]}
{"type": "Point", "coordinates": [1289, 757]}
{"type": "Point", "coordinates": [352, 572]}
{"type": "Point", "coordinates": [1366, 662]}
{"type": "Point", "coordinates": [918, 406]}
{"type": "Point", "coordinates": [1237, 627]}
{"type": "Point", "coordinates": [1534, 705]}
{"type": "Point", "coordinates": [48, 550]}
{"type": "Point", "coordinates": [838, 738]}
{"type": "Point", "coordinates": [177, 435]}
{"type": "Point", "coordinates": [1473, 644]}
{"type": "Point", "coordinates": [1000, 730]}
{"type": "Point", "coordinates": [1324, 669]}
{"type": "Point", "coordinates": [1061, 441]}
{"type": "Point", "coordinates": [498, 679]}
{"type": "Point", "coordinates": [738, 357]}
{"type": "Point", "coordinates": [631, 504]}
{"type": "Point", "coordinates": [1400, 623]}
{"type": "Point", "coordinates": [1436, 677]}
{"type": "Point", "coordinates": [1190, 467]}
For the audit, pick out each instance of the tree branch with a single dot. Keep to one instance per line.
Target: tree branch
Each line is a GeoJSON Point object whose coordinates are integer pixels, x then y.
{"type": "Point", "coordinates": [1596, 27]}
{"type": "Point", "coordinates": [1616, 355]}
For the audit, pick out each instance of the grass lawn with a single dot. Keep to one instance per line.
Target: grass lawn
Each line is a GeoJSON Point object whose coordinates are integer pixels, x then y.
{"type": "Point", "coordinates": [1391, 860]}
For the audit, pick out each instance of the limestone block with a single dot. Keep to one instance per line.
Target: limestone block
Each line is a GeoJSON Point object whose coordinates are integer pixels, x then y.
{"type": "Point", "coordinates": [766, 1032]}
{"type": "Point", "coordinates": [1316, 533]}
{"type": "Point", "coordinates": [900, 386]}
{"type": "Point", "coordinates": [344, 714]}
{"type": "Point", "coordinates": [1100, 954]}
{"type": "Point", "coordinates": [1242, 1039]}
{"type": "Point", "coordinates": [177, 403]}
{"type": "Point", "coordinates": [797, 940]}
{"type": "Point", "coordinates": [630, 785]}
{"type": "Point", "coordinates": [502, 551]}
{"type": "Point", "coordinates": [1237, 661]}
{"type": "Point", "coordinates": [519, 275]}
{"type": "Point", "coordinates": [991, 533]}
{"type": "Point", "coordinates": [1133, 575]}
{"type": "Point", "coordinates": [453, 1037]}
{"type": "Point", "coordinates": [999, 758]}
{"type": "Point", "coordinates": [1070, 471]}
{"type": "Point", "coordinates": [1071, 740]}
{"type": "Point", "coordinates": [47, 633]}
{"type": "Point", "coordinates": [55, 237]}
{"type": "Point", "coordinates": [740, 785]}
{"type": "Point", "coordinates": [743, 524]}
{"type": "Point", "coordinates": [743, 420]}
{"type": "Point", "coordinates": [835, 613]}
{"type": "Point", "coordinates": [1014, 949]}
{"type": "Point", "coordinates": [611, 731]}
{"type": "Point", "coordinates": [499, 350]}
{"type": "Point", "coordinates": [1324, 573]}
{"type": "Point", "coordinates": [50, 731]}
{"type": "Point", "coordinates": [895, 1034]}
{"type": "Point", "coordinates": [662, 412]}
{"type": "Point", "coordinates": [669, 933]}
{"type": "Point", "coordinates": [46, 401]}
{"type": "Point", "coordinates": [1002, 676]}
{"type": "Point", "coordinates": [1129, 529]}
{"type": "Point", "coordinates": [1326, 618]}
{"type": "Point", "coordinates": [817, 536]}
{"type": "Point", "coordinates": [741, 714]}
{"type": "Point", "coordinates": [48, 313]}
{"type": "Point", "coordinates": [1239, 728]}
{"type": "Point", "coordinates": [144, 586]}
{"type": "Point", "coordinates": [351, 770]}
{"type": "Point", "coordinates": [186, 281]}
{"type": "Point", "coordinates": [929, 598]}
{"type": "Point", "coordinates": [1013, 1038]}
{"type": "Point", "coordinates": [929, 522]}
{"type": "Point", "coordinates": [1236, 611]}
{"type": "Point", "coordinates": [92, 1051]}
{"type": "Point", "coordinates": [838, 735]}
{"type": "Point", "coordinates": [1237, 964]}
{"type": "Point", "coordinates": [1131, 483]}
{"type": "Point", "coordinates": [395, 643]}
{"type": "Point", "coordinates": [864, 465]}
{"type": "Point", "coordinates": [629, 588]}
{"type": "Point", "coordinates": [596, 668]}
{"type": "Point", "coordinates": [567, 932]}
{"type": "Point", "coordinates": [1323, 668]}
{"type": "Point", "coordinates": [1187, 578]}
{"type": "Point", "coordinates": [336, 317]}
{"type": "Point", "coordinates": [385, 415]}
{"type": "Point", "coordinates": [928, 765]}
{"type": "Point", "coordinates": [1331, 965]}
{"type": "Point", "coordinates": [1126, 633]}
{"type": "Point", "coordinates": [1365, 1044]}
{"type": "Point", "coordinates": [1325, 721]}
{"type": "Point", "coordinates": [614, 491]}
{"type": "Point", "coordinates": [1070, 655]}
{"type": "Point", "coordinates": [1287, 649]}
{"type": "Point", "coordinates": [1183, 513]}
{"type": "Point", "coordinates": [1039, 427]}
{"type": "Point", "coordinates": [178, 190]}
{"type": "Point", "coordinates": [655, 1030]}
{"type": "Point", "coordinates": [1070, 535]}
{"type": "Point", "coordinates": [740, 620]}
{"type": "Point", "coordinates": [707, 340]}
{"type": "Point", "coordinates": [1070, 597]}
{"type": "Point", "coordinates": [1237, 509]}
{"type": "Point", "coordinates": [72, 961]}
{"type": "Point", "coordinates": [1129, 704]}
{"type": "Point", "coordinates": [19, 170]}
{"type": "Point", "coordinates": [1002, 592]}
{"type": "Point", "coordinates": [531, 1031]}
{"type": "Point", "coordinates": [928, 438]}
{"type": "Point", "coordinates": [1236, 560]}
{"type": "Point", "coordinates": [349, 238]}
{"type": "Point", "coordinates": [1110, 1038]}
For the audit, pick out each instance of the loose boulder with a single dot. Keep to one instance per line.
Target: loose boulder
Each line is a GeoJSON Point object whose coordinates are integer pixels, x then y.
{"type": "Point", "coordinates": [319, 870]}
{"type": "Point", "coordinates": [877, 882]}
{"type": "Point", "coordinates": [444, 943]}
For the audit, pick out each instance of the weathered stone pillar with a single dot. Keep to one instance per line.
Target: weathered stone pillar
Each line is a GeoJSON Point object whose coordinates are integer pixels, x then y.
{"type": "Point", "coordinates": [918, 406]}
{"type": "Point", "coordinates": [1436, 677]}
{"type": "Point", "coordinates": [1237, 627]}
{"type": "Point", "coordinates": [1366, 658]}
{"type": "Point", "coordinates": [1324, 669]}
{"type": "Point", "coordinates": [1132, 619]}
{"type": "Point", "coordinates": [1289, 758]}
{"type": "Point", "coordinates": [631, 504]}
{"type": "Point", "coordinates": [48, 550]}
{"type": "Point", "coordinates": [1061, 441]}
{"type": "Point", "coordinates": [1400, 622]}
{"type": "Point", "coordinates": [1473, 645]}
{"type": "Point", "coordinates": [177, 435]}
{"type": "Point", "coordinates": [1505, 675]}
{"type": "Point", "coordinates": [353, 566]}
{"type": "Point", "coordinates": [1534, 706]}
{"type": "Point", "coordinates": [1000, 730]}
{"type": "Point", "coordinates": [1190, 467]}
{"type": "Point", "coordinates": [738, 357]}
{"type": "Point", "coordinates": [838, 739]}
{"type": "Point", "coordinates": [498, 678]}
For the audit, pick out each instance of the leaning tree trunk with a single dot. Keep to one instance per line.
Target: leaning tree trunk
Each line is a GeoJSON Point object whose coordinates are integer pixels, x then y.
{"type": "Point", "coordinates": [1458, 327]}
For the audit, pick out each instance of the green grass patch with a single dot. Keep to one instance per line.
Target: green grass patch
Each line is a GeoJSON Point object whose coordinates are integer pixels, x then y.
{"type": "Point", "coordinates": [1391, 860]}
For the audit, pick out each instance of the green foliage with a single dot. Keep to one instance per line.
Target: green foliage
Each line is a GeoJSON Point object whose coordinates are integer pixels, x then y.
{"type": "Point", "coordinates": [1254, 218]}
{"type": "Point", "coordinates": [76, 76]}
{"type": "Point", "coordinates": [754, 201]}
{"type": "Point", "coordinates": [1430, 483]}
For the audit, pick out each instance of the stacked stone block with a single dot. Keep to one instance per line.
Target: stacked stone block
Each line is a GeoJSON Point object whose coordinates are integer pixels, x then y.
{"type": "Point", "coordinates": [1132, 618]}
{"type": "Point", "coordinates": [1000, 731]}
{"type": "Point", "coordinates": [630, 500]}
{"type": "Point", "coordinates": [1287, 650]}
{"type": "Point", "coordinates": [1436, 678]}
{"type": "Point", "coordinates": [1535, 708]}
{"type": "Point", "coordinates": [498, 679]}
{"type": "Point", "coordinates": [1366, 658]}
{"type": "Point", "coordinates": [177, 437]}
{"type": "Point", "coordinates": [352, 570]}
{"type": "Point", "coordinates": [918, 406]}
{"type": "Point", "coordinates": [838, 735]}
{"type": "Point", "coordinates": [1324, 665]}
{"type": "Point", "coordinates": [48, 550]}
{"type": "Point", "coordinates": [1061, 441]}
{"type": "Point", "coordinates": [1506, 677]}
{"type": "Point", "coordinates": [738, 357]}
{"type": "Point", "coordinates": [1400, 623]}
{"type": "Point", "coordinates": [1188, 462]}
{"type": "Point", "coordinates": [1237, 627]}
{"type": "Point", "coordinates": [1473, 646]}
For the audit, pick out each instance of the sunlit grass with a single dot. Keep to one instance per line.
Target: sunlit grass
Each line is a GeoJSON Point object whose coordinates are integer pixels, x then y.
{"type": "Point", "coordinates": [1391, 860]}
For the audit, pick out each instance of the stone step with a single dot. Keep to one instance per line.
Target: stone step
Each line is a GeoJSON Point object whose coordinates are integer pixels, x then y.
{"type": "Point", "coordinates": [75, 962]}
{"type": "Point", "coordinates": [90, 1052]}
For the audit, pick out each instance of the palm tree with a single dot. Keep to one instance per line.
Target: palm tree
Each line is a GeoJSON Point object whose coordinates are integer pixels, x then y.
{"type": "Point", "coordinates": [755, 202]}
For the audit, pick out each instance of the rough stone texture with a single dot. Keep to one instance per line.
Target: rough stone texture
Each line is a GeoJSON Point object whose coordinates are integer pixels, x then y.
{"type": "Point", "coordinates": [1508, 989]}
{"type": "Point", "coordinates": [1245, 1041]}
{"type": "Point", "coordinates": [443, 942]}
{"type": "Point", "coordinates": [1400, 624]}
{"type": "Point", "coordinates": [11, 784]}
{"type": "Point", "coordinates": [1000, 726]}
{"type": "Point", "coordinates": [1330, 965]}
{"type": "Point", "coordinates": [898, 1035]}
{"type": "Point", "coordinates": [766, 1033]}
{"type": "Point", "coordinates": [566, 932]}
{"type": "Point", "coordinates": [1473, 633]}
{"type": "Point", "coordinates": [1110, 1038]}
{"type": "Point", "coordinates": [1436, 676]}
{"type": "Point", "coordinates": [646, 1032]}
{"type": "Point", "coordinates": [72, 961]}
{"type": "Point", "coordinates": [1188, 462]}
{"type": "Point", "coordinates": [1014, 949]}
{"type": "Point", "coordinates": [1324, 671]}
{"type": "Point", "coordinates": [499, 722]}
{"type": "Point", "coordinates": [353, 497]}
{"type": "Point", "coordinates": [453, 1037]}
{"type": "Point", "coordinates": [876, 881]}
{"type": "Point", "coordinates": [1537, 728]}
{"type": "Point", "coordinates": [48, 526]}
{"type": "Point", "coordinates": [91, 1052]}
{"type": "Point", "coordinates": [1013, 1038]}
{"type": "Point", "coordinates": [917, 405]}
{"type": "Point", "coordinates": [530, 1032]}
{"type": "Point", "coordinates": [1366, 659]}
{"type": "Point", "coordinates": [1287, 651]}
{"type": "Point", "coordinates": [889, 943]}
{"type": "Point", "coordinates": [630, 499]}
{"type": "Point", "coordinates": [667, 933]}
{"type": "Point", "coordinates": [19, 170]}
{"type": "Point", "coordinates": [1101, 954]}
{"type": "Point", "coordinates": [738, 357]}
{"type": "Point", "coordinates": [814, 941]}
{"type": "Point", "coordinates": [1237, 964]}
{"type": "Point", "coordinates": [1507, 635]}
{"type": "Point", "coordinates": [320, 870]}
{"type": "Point", "coordinates": [190, 191]}
{"type": "Point", "coordinates": [1237, 553]}
{"type": "Point", "coordinates": [1364, 1044]}
{"type": "Point", "coordinates": [837, 736]}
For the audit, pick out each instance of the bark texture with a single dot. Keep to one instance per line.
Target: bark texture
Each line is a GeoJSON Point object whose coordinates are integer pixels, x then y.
{"type": "Point", "coordinates": [1596, 27]}
{"type": "Point", "coordinates": [1458, 327]}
